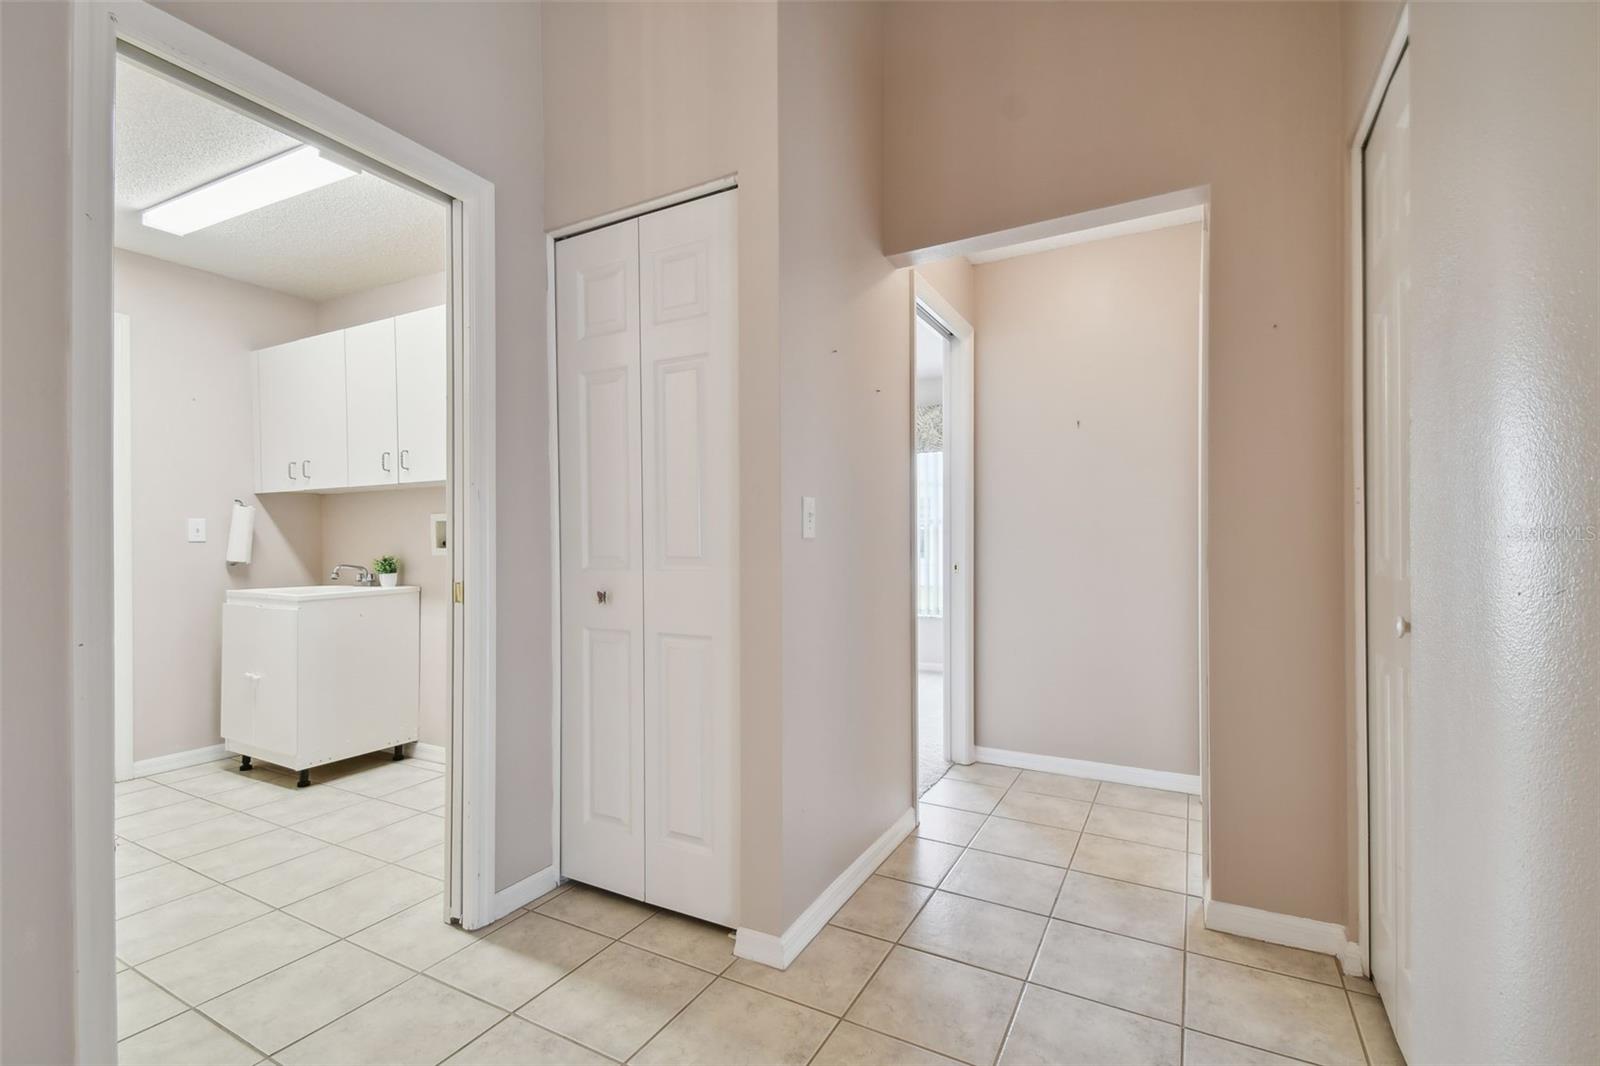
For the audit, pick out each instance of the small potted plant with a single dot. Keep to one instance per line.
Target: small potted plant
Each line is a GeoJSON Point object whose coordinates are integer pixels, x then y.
{"type": "Point", "coordinates": [387, 567]}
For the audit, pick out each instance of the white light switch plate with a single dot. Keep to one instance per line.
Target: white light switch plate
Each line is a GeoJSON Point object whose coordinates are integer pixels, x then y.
{"type": "Point", "coordinates": [197, 531]}
{"type": "Point", "coordinates": [808, 518]}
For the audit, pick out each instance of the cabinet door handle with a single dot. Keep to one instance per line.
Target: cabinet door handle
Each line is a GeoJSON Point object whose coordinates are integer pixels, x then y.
{"type": "Point", "coordinates": [292, 475]}
{"type": "Point", "coordinates": [385, 462]}
{"type": "Point", "coordinates": [305, 469]}
{"type": "Point", "coordinates": [404, 452]}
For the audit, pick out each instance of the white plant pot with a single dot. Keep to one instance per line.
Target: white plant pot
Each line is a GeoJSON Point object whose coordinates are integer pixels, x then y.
{"type": "Point", "coordinates": [388, 581]}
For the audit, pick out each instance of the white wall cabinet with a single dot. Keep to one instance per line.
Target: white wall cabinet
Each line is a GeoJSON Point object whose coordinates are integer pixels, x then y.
{"type": "Point", "coordinates": [300, 415]}
{"type": "Point", "coordinates": [370, 404]}
{"type": "Point", "coordinates": [647, 354]}
{"type": "Point", "coordinates": [357, 408]}
{"type": "Point", "coordinates": [421, 372]}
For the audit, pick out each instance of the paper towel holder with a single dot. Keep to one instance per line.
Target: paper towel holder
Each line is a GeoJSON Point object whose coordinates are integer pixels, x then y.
{"type": "Point", "coordinates": [229, 562]}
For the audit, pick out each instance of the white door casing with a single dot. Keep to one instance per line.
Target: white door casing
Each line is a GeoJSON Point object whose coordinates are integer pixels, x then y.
{"type": "Point", "coordinates": [602, 622]}
{"type": "Point", "coordinates": [689, 391]}
{"type": "Point", "coordinates": [369, 365]}
{"type": "Point", "coordinates": [122, 544]}
{"type": "Point", "coordinates": [421, 369]}
{"type": "Point", "coordinates": [1387, 222]}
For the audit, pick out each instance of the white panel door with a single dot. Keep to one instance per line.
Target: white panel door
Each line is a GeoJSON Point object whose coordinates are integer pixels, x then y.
{"type": "Point", "coordinates": [1386, 176]}
{"type": "Point", "coordinates": [300, 414]}
{"type": "Point", "coordinates": [422, 367]}
{"type": "Point", "coordinates": [602, 606]}
{"type": "Point", "coordinates": [369, 377]}
{"type": "Point", "coordinates": [688, 387]}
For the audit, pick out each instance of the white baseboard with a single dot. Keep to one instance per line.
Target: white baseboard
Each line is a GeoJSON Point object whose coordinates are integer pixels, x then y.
{"type": "Point", "coordinates": [779, 951]}
{"type": "Point", "coordinates": [178, 760]}
{"type": "Point", "coordinates": [523, 892]}
{"type": "Point", "coordinates": [430, 753]}
{"type": "Point", "coordinates": [1102, 771]}
{"type": "Point", "coordinates": [1352, 960]}
{"type": "Point", "coordinates": [1326, 938]}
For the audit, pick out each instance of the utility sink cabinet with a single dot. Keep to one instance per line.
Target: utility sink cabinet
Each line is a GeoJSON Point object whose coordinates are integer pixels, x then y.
{"type": "Point", "coordinates": [320, 673]}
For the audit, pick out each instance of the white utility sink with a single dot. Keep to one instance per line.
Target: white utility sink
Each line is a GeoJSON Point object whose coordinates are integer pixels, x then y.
{"type": "Point", "coordinates": [301, 593]}
{"type": "Point", "coordinates": [317, 673]}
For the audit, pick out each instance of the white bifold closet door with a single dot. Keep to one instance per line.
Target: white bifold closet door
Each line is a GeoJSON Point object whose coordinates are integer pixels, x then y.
{"type": "Point", "coordinates": [646, 351]}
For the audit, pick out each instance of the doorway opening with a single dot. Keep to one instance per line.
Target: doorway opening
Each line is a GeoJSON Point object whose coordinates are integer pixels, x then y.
{"type": "Point", "coordinates": [942, 346]}
{"type": "Point", "coordinates": [1093, 489]}
{"type": "Point", "coordinates": [228, 310]}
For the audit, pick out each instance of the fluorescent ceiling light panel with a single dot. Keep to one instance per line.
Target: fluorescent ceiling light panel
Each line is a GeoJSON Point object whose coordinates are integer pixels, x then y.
{"type": "Point", "coordinates": [296, 171]}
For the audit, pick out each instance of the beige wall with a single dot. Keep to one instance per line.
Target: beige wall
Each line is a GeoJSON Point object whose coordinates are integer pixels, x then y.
{"type": "Point", "coordinates": [1088, 502]}
{"type": "Point", "coordinates": [36, 916]}
{"type": "Point", "coordinates": [1158, 97]}
{"type": "Point", "coordinates": [192, 402]}
{"type": "Point", "coordinates": [1505, 533]}
{"type": "Point", "coordinates": [956, 280]}
{"type": "Point", "coordinates": [845, 339]}
{"type": "Point", "coordinates": [385, 301]}
{"type": "Point", "coordinates": [660, 97]}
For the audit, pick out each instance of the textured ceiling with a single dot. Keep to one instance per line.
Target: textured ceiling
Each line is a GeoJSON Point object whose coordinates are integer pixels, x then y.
{"type": "Point", "coordinates": [355, 234]}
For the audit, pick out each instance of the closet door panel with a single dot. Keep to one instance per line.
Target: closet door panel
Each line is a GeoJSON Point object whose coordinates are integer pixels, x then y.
{"type": "Point", "coordinates": [602, 623]}
{"type": "Point", "coordinates": [369, 402]}
{"type": "Point", "coordinates": [690, 503]}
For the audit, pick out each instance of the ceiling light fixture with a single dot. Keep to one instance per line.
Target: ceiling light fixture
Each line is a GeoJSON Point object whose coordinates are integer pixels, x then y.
{"type": "Point", "coordinates": [296, 171]}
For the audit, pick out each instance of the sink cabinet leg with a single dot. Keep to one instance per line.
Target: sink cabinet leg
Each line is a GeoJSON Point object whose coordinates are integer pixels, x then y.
{"type": "Point", "coordinates": [244, 763]}
{"type": "Point", "coordinates": [399, 753]}
{"type": "Point", "coordinates": [305, 779]}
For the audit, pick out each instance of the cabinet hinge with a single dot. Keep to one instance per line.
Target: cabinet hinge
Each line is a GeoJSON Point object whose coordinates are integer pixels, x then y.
{"type": "Point", "coordinates": [460, 593]}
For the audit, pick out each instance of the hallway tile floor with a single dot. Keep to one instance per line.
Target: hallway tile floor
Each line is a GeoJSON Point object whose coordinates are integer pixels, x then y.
{"type": "Point", "coordinates": [1030, 919]}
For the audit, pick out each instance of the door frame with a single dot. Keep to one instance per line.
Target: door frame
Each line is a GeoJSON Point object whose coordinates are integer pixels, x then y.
{"type": "Point", "coordinates": [959, 510]}
{"type": "Point", "coordinates": [470, 486]}
{"type": "Point", "coordinates": [553, 452]}
{"type": "Point", "coordinates": [1356, 362]}
{"type": "Point", "coordinates": [122, 541]}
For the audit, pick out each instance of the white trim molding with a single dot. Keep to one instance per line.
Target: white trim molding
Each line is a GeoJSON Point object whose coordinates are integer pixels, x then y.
{"type": "Point", "coordinates": [1307, 934]}
{"type": "Point", "coordinates": [436, 753]}
{"type": "Point", "coordinates": [179, 760]}
{"type": "Point", "coordinates": [1100, 771]}
{"type": "Point", "coordinates": [779, 951]}
{"type": "Point", "coordinates": [523, 892]}
{"type": "Point", "coordinates": [1135, 216]}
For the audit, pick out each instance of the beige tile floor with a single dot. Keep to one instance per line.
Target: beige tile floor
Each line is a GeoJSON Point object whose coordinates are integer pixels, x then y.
{"type": "Point", "coordinates": [305, 928]}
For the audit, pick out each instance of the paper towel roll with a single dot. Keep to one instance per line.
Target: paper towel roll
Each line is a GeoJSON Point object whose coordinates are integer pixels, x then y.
{"type": "Point", "coordinates": [241, 533]}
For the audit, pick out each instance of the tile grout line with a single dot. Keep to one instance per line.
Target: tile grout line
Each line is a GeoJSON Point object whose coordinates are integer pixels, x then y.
{"type": "Point", "coordinates": [1011, 1022]}
{"type": "Point", "coordinates": [1361, 1038]}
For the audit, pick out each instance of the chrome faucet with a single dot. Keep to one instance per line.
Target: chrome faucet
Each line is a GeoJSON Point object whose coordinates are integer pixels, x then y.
{"type": "Point", "coordinates": [363, 575]}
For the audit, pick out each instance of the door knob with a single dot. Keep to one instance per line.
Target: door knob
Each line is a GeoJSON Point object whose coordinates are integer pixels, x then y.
{"type": "Point", "coordinates": [1402, 626]}
{"type": "Point", "coordinates": [601, 595]}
